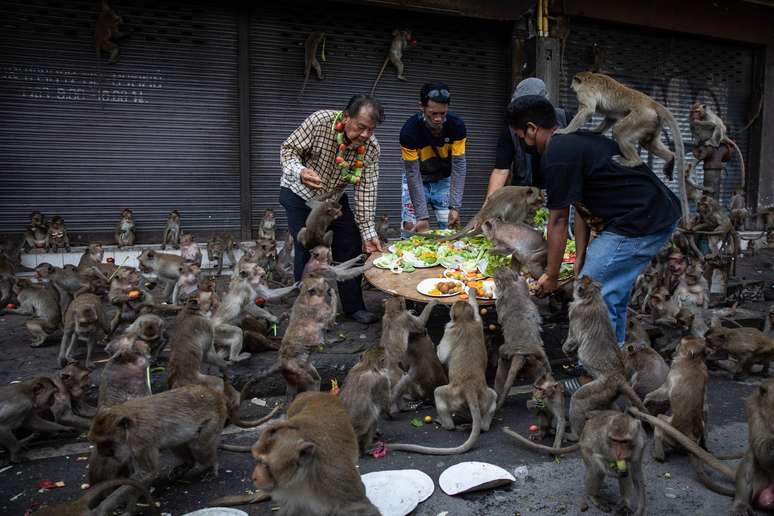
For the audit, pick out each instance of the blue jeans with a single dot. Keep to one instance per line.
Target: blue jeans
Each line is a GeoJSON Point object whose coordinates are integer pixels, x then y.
{"type": "Point", "coordinates": [615, 261]}
{"type": "Point", "coordinates": [437, 195]}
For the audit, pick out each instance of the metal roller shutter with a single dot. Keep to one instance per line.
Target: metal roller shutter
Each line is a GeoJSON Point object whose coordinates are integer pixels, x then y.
{"type": "Point", "coordinates": [469, 55]}
{"type": "Point", "coordinates": [676, 70]}
{"type": "Point", "coordinates": [164, 136]}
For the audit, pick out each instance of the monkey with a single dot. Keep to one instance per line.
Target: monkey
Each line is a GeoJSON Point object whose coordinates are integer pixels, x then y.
{"type": "Point", "coordinates": [401, 39]}
{"type": "Point", "coordinates": [645, 368]}
{"type": "Point", "coordinates": [693, 291]}
{"type": "Point", "coordinates": [220, 247]}
{"type": "Point", "coordinates": [125, 232]}
{"type": "Point", "coordinates": [366, 394]}
{"type": "Point", "coordinates": [172, 231]}
{"type": "Point", "coordinates": [68, 405]}
{"type": "Point", "coordinates": [768, 325]}
{"type": "Point", "coordinates": [511, 204]}
{"type": "Point", "coordinates": [125, 376]}
{"type": "Point", "coordinates": [663, 309]}
{"type": "Point", "coordinates": [462, 348]}
{"type": "Point", "coordinates": [548, 401]}
{"type": "Point", "coordinates": [89, 503]}
{"type": "Point", "coordinates": [311, 44]}
{"type": "Point", "coordinates": [151, 329]}
{"type": "Point", "coordinates": [92, 259]}
{"type": "Point", "coordinates": [315, 231]}
{"type": "Point", "coordinates": [19, 407]}
{"type": "Point", "coordinates": [520, 321]}
{"type": "Point", "coordinates": [525, 243]}
{"type": "Point", "coordinates": [264, 254]}
{"type": "Point", "coordinates": [708, 129]}
{"type": "Point", "coordinates": [189, 249]}
{"type": "Point", "coordinates": [36, 232]}
{"type": "Point", "coordinates": [69, 283]}
{"type": "Point", "coordinates": [321, 264]}
{"type": "Point", "coordinates": [425, 373]}
{"type": "Point", "coordinates": [748, 346]}
{"type": "Point", "coordinates": [130, 297]}
{"type": "Point", "coordinates": [165, 265]}
{"type": "Point", "coordinates": [283, 269]}
{"type": "Point", "coordinates": [41, 302]}
{"type": "Point", "coordinates": [383, 229]}
{"type": "Point", "coordinates": [188, 420]}
{"type": "Point", "coordinates": [397, 324]}
{"type": "Point", "coordinates": [716, 224]}
{"type": "Point", "coordinates": [187, 283]}
{"type": "Point", "coordinates": [635, 332]}
{"type": "Point", "coordinates": [635, 119]}
{"type": "Point", "coordinates": [305, 470]}
{"type": "Point", "coordinates": [256, 335]}
{"type": "Point", "coordinates": [611, 445]}
{"type": "Point", "coordinates": [82, 321]}
{"type": "Point", "coordinates": [267, 229]}
{"type": "Point", "coordinates": [738, 208]}
{"type": "Point", "coordinates": [107, 32]}
{"type": "Point", "coordinates": [56, 237]}
{"type": "Point", "coordinates": [7, 279]}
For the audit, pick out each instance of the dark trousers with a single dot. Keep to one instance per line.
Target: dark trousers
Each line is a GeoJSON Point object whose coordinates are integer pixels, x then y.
{"type": "Point", "coordinates": [346, 244]}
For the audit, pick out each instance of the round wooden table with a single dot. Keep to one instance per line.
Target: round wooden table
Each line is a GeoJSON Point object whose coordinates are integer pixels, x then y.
{"type": "Point", "coordinates": [405, 284]}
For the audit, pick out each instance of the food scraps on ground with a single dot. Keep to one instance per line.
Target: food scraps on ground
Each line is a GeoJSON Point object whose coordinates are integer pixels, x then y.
{"type": "Point", "coordinates": [133, 294]}
{"type": "Point", "coordinates": [428, 419]}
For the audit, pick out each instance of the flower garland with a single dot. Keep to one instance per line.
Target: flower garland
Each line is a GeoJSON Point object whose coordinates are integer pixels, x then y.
{"type": "Point", "coordinates": [350, 172]}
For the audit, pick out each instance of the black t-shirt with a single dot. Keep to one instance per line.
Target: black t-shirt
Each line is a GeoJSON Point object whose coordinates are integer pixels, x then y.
{"type": "Point", "coordinates": [578, 169]}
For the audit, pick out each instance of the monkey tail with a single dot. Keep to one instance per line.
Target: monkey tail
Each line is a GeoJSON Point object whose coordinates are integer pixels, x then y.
{"type": "Point", "coordinates": [686, 443]}
{"type": "Point", "coordinates": [384, 65]}
{"type": "Point", "coordinates": [741, 160]}
{"type": "Point", "coordinates": [710, 483]}
{"type": "Point", "coordinates": [236, 421]}
{"type": "Point", "coordinates": [541, 447]}
{"type": "Point", "coordinates": [273, 369]}
{"type": "Point", "coordinates": [97, 493]}
{"type": "Point", "coordinates": [475, 411]}
{"type": "Point", "coordinates": [627, 390]}
{"type": "Point", "coordinates": [232, 501]}
{"type": "Point", "coordinates": [674, 128]}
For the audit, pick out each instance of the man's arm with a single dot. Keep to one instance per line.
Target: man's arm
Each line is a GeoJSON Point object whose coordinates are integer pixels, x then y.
{"type": "Point", "coordinates": [504, 157]}
{"type": "Point", "coordinates": [497, 180]}
{"type": "Point", "coordinates": [365, 197]}
{"type": "Point", "coordinates": [557, 241]}
{"type": "Point", "coordinates": [293, 150]}
{"type": "Point", "coordinates": [582, 232]}
{"type": "Point", "coordinates": [459, 169]}
{"type": "Point", "coordinates": [414, 181]}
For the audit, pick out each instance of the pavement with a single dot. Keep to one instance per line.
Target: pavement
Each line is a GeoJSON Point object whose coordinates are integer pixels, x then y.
{"type": "Point", "coordinates": [544, 487]}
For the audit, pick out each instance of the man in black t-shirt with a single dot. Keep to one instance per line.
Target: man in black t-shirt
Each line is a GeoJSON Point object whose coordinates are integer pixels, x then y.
{"type": "Point", "coordinates": [633, 212]}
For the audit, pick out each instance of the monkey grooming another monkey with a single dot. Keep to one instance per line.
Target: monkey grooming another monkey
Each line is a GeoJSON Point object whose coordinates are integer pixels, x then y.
{"type": "Point", "coordinates": [366, 394]}
{"type": "Point", "coordinates": [308, 463]}
{"type": "Point", "coordinates": [165, 265]}
{"type": "Point", "coordinates": [401, 39]}
{"type": "Point", "coordinates": [520, 321]}
{"type": "Point", "coordinates": [41, 302]}
{"type": "Point", "coordinates": [425, 373]}
{"type": "Point", "coordinates": [82, 321]}
{"type": "Point", "coordinates": [311, 44]}
{"type": "Point", "coordinates": [89, 503]}
{"type": "Point", "coordinates": [124, 233]}
{"type": "Point", "coordinates": [611, 445]}
{"type": "Point", "coordinates": [315, 231]}
{"type": "Point", "coordinates": [707, 128]}
{"type": "Point", "coordinates": [636, 119]}
{"type": "Point", "coordinates": [462, 348]}
{"type": "Point", "coordinates": [172, 231]}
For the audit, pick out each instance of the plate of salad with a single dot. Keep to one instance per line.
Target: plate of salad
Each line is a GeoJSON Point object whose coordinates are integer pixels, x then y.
{"type": "Point", "coordinates": [394, 263]}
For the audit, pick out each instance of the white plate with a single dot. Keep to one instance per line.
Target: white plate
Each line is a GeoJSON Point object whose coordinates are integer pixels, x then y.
{"type": "Point", "coordinates": [426, 285]}
{"type": "Point", "coordinates": [489, 287]}
{"type": "Point", "coordinates": [385, 261]}
{"type": "Point", "coordinates": [473, 476]}
{"type": "Point", "coordinates": [217, 511]}
{"type": "Point", "coordinates": [398, 492]}
{"type": "Point", "coordinates": [413, 260]}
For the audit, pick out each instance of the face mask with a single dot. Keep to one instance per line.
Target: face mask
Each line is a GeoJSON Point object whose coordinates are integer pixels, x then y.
{"type": "Point", "coordinates": [532, 150]}
{"type": "Point", "coordinates": [431, 125]}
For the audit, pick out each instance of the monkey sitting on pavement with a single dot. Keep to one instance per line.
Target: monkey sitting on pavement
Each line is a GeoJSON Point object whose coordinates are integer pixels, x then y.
{"type": "Point", "coordinates": [425, 373]}
{"type": "Point", "coordinates": [42, 303]}
{"type": "Point", "coordinates": [124, 233]}
{"type": "Point", "coordinates": [645, 368]}
{"type": "Point", "coordinates": [548, 401]}
{"type": "Point", "coordinates": [220, 247]}
{"type": "Point", "coordinates": [151, 329]}
{"type": "Point", "coordinates": [187, 283]}
{"type": "Point", "coordinates": [35, 234]}
{"type": "Point", "coordinates": [172, 231]}
{"type": "Point", "coordinates": [57, 237]}
{"type": "Point", "coordinates": [89, 503]}
{"type": "Point", "coordinates": [267, 228]}
{"type": "Point", "coordinates": [129, 296]}
{"type": "Point", "coordinates": [462, 348]}
{"type": "Point", "coordinates": [189, 249]}
{"type": "Point", "coordinates": [692, 291]}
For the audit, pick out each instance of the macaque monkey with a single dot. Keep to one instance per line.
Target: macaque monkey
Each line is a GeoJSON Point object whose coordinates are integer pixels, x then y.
{"type": "Point", "coordinates": [366, 394]}
{"type": "Point", "coordinates": [124, 233]}
{"type": "Point", "coordinates": [19, 407]}
{"type": "Point", "coordinates": [692, 292]}
{"type": "Point", "coordinates": [89, 503]}
{"type": "Point", "coordinates": [107, 32]}
{"type": "Point", "coordinates": [511, 204]}
{"type": "Point", "coordinates": [189, 249]}
{"type": "Point", "coordinates": [36, 232]}
{"type": "Point", "coordinates": [714, 222]}
{"type": "Point", "coordinates": [165, 265]}
{"type": "Point", "coordinates": [315, 231]}
{"type": "Point", "coordinates": [41, 302]}
{"type": "Point", "coordinates": [401, 39]}
{"type": "Point", "coordinates": [82, 321]}
{"type": "Point", "coordinates": [124, 376]}
{"type": "Point", "coordinates": [187, 283]}
{"type": "Point", "coordinates": [172, 231]}
{"type": "Point", "coordinates": [708, 129]}
{"type": "Point", "coordinates": [92, 258]}
{"type": "Point", "coordinates": [383, 229]}
{"type": "Point", "coordinates": [267, 229]}
{"type": "Point", "coordinates": [397, 324]}
{"type": "Point", "coordinates": [663, 309]}
{"type": "Point", "coordinates": [462, 348]}
{"type": "Point", "coordinates": [69, 283]}
{"type": "Point", "coordinates": [130, 297]}
{"type": "Point", "coordinates": [305, 470]}
{"type": "Point", "coordinates": [521, 240]}
{"type": "Point", "coordinates": [520, 321]}
{"type": "Point", "coordinates": [220, 247]}
{"type": "Point", "coordinates": [56, 237]}
{"type": "Point", "coordinates": [748, 346]}
{"type": "Point", "coordinates": [151, 329]}
{"type": "Point", "coordinates": [283, 269]}
{"type": "Point", "coordinates": [68, 406]}
{"type": "Point", "coordinates": [257, 335]}
{"type": "Point", "coordinates": [264, 253]}
{"type": "Point", "coordinates": [636, 119]}
{"type": "Point", "coordinates": [645, 368]}
{"type": "Point", "coordinates": [548, 401]}
{"type": "Point", "coordinates": [739, 211]}
{"type": "Point", "coordinates": [311, 44]}
{"type": "Point", "coordinates": [425, 373]}
{"type": "Point", "coordinates": [611, 445]}
{"type": "Point", "coordinates": [187, 420]}
{"type": "Point", "coordinates": [7, 280]}
{"type": "Point", "coordinates": [768, 324]}
{"type": "Point", "coordinates": [320, 264]}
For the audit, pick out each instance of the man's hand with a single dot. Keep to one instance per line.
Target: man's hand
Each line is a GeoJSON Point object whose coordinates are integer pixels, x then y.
{"type": "Point", "coordinates": [311, 178]}
{"type": "Point", "coordinates": [421, 226]}
{"type": "Point", "coordinates": [372, 245]}
{"type": "Point", "coordinates": [546, 285]}
{"type": "Point", "coordinates": [454, 218]}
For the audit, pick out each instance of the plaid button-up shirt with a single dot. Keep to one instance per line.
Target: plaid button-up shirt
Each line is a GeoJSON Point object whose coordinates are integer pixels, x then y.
{"type": "Point", "coordinates": [313, 145]}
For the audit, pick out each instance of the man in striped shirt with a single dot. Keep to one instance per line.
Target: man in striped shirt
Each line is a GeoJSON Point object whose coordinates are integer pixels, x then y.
{"type": "Point", "coordinates": [310, 171]}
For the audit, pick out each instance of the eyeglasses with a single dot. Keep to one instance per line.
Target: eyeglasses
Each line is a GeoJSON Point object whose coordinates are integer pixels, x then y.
{"type": "Point", "coordinates": [441, 95]}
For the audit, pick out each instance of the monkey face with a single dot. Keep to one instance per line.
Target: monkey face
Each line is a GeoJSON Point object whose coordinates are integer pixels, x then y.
{"type": "Point", "coordinates": [86, 319]}
{"type": "Point", "coordinates": [394, 305]}
{"type": "Point", "coordinates": [37, 219]}
{"type": "Point", "coordinates": [333, 209]}
{"type": "Point", "coordinates": [268, 214]}
{"type": "Point", "coordinates": [148, 260]}
{"type": "Point", "coordinates": [321, 254]}
{"type": "Point", "coordinates": [282, 454]}
{"type": "Point", "coordinates": [75, 379]}
{"type": "Point", "coordinates": [42, 391]}
{"type": "Point", "coordinates": [186, 239]}
{"type": "Point", "coordinates": [586, 288]}
{"type": "Point", "coordinates": [698, 111]}
{"type": "Point", "coordinates": [44, 270]}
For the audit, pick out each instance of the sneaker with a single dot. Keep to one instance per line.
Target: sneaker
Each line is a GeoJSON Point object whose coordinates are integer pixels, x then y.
{"type": "Point", "coordinates": [572, 385]}
{"type": "Point", "coordinates": [364, 317]}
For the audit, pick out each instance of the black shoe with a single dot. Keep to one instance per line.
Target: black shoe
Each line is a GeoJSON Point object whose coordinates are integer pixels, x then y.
{"type": "Point", "coordinates": [364, 317]}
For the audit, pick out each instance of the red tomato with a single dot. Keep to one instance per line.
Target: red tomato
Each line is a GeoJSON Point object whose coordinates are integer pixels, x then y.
{"type": "Point", "coordinates": [342, 147]}
{"type": "Point", "coordinates": [10, 306]}
{"type": "Point", "coordinates": [533, 428]}
{"type": "Point", "coordinates": [111, 260]}
{"type": "Point", "coordinates": [259, 301]}
{"type": "Point", "coordinates": [359, 164]}
{"type": "Point", "coordinates": [339, 159]}
{"type": "Point", "coordinates": [339, 127]}
{"type": "Point", "coordinates": [361, 149]}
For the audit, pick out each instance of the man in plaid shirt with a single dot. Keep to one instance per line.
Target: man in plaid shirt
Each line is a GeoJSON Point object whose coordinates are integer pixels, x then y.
{"type": "Point", "coordinates": [309, 171]}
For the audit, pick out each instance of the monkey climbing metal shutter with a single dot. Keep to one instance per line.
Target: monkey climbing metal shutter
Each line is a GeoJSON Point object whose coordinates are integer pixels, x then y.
{"type": "Point", "coordinates": [162, 135]}
{"type": "Point", "coordinates": [469, 55]}
{"type": "Point", "coordinates": [675, 70]}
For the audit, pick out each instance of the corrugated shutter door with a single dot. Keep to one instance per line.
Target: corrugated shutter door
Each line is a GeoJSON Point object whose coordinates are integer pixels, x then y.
{"type": "Point", "coordinates": [164, 136]}
{"type": "Point", "coordinates": [469, 55]}
{"type": "Point", "coordinates": [675, 70]}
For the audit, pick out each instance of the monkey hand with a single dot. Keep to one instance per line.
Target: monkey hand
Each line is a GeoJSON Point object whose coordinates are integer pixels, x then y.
{"type": "Point", "coordinates": [546, 285]}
